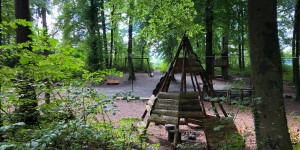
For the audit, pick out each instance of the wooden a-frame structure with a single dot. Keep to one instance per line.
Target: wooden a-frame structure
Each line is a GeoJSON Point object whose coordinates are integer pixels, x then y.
{"type": "Point", "coordinates": [168, 108]}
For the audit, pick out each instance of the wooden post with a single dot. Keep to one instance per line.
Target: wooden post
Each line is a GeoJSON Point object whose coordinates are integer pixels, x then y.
{"type": "Point", "coordinates": [176, 134]}
{"type": "Point", "coordinates": [201, 96]}
{"type": "Point", "coordinates": [193, 81]}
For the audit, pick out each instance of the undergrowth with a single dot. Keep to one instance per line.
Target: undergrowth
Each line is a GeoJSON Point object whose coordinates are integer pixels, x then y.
{"type": "Point", "coordinates": [74, 116]}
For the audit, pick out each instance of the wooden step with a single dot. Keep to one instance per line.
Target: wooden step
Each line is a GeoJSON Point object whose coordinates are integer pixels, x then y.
{"type": "Point", "coordinates": [167, 101]}
{"type": "Point", "coordinates": [160, 119]}
{"type": "Point", "coordinates": [166, 106]}
{"type": "Point", "coordinates": [190, 108]}
{"type": "Point", "coordinates": [190, 114]}
{"type": "Point", "coordinates": [189, 102]}
{"type": "Point", "coordinates": [172, 113]}
{"type": "Point", "coordinates": [165, 95]}
{"type": "Point", "coordinates": [188, 95]}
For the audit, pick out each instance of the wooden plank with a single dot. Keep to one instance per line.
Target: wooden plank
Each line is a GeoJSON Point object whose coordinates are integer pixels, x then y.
{"type": "Point", "coordinates": [189, 102]}
{"type": "Point", "coordinates": [172, 113]}
{"type": "Point", "coordinates": [194, 121]}
{"type": "Point", "coordinates": [178, 66]}
{"type": "Point", "coordinates": [190, 108]}
{"type": "Point", "coordinates": [164, 95]}
{"type": "Point", "coordinates": [195, 64]}
{"type": "Point", "coordinates": [189, 95]}
{"type": "Point", "coordinates": [190, 114]}
{"type": "Point", "coordinates": [167, 101]}
{"type": "Point", "coordinates": [192, 57]}
{"type": "Point", "coordinates": [166, 106]}
{"type": "Point", "coordinates": [163, 119]}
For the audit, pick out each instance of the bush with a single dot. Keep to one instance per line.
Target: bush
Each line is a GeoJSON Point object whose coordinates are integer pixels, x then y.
{"type": "Point", "coordinates": [76, 117]}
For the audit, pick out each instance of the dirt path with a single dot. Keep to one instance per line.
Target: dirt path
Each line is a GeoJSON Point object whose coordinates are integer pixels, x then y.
{"type": "Point", "coordinates": [144, 86]}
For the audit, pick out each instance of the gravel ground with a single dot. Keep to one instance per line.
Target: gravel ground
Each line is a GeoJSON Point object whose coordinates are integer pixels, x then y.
{"type": "Point", "coordinates": [143, 87]}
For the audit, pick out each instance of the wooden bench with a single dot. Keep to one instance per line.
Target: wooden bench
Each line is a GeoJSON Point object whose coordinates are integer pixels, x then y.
{"type": "Point", "coordinates": [112, 82]}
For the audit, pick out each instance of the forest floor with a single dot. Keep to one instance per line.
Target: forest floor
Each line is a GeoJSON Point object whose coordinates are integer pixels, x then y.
{"type": "Point", "coordinates": [143, 87]}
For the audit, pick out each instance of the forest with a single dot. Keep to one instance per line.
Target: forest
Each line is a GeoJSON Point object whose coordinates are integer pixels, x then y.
{"type": "Point", "coordinates": [149, 74]}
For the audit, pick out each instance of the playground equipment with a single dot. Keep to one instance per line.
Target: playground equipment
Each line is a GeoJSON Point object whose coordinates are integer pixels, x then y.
{"type": "Point", "coordinates": [148, 63]}
{"type": "Point", "coordinates": [170, 108]}
{"type": "Point", "coordinates": [223, 63]}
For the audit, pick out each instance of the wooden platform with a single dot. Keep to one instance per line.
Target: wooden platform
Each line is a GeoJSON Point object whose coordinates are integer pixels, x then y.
{"type": "Point", "coordinates": [112, 82]}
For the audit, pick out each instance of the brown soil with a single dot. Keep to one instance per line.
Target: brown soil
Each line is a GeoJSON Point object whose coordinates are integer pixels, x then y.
{"type": "Point", "coordinates": [143, 87]}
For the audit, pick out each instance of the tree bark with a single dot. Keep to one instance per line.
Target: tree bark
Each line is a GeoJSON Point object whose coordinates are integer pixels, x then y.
{"type": "Point", "coordinates": [240, 53]}
{"type": "Point", "coordinates": [294, 51]}
{"type": "Point", "coordinates": [112, 37]}
{"type": "Point", "coordinates": [46, 52]}
{"type": "Point", "coordinates": [297, 48]}
{"type": "Point", "coordinates": [243, 40]}
{"type": "Point", "coordinates": [130, 63]}
{"type": "Point", "coordinates": [95, 56]}
{"type": "Point", "coordinates": [239, 37]}
{"type": "Point", "coordinates": [28, 101]}
{"type": "Point", "coordinates": [208, 23]}
{"type": "Point", "coordinates": [104, 33]}
{"type": "Point", "coordinates": [116, 55]}
{"type": "Point", "coordinates": [224, 70]}
{"type": "Point", "coordinates": [269, 110]}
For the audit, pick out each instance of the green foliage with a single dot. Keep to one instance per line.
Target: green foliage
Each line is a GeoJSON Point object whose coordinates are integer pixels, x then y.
{"type": "Point", "coordinates": [296, 117]}
{"type": "Point", "coordinates": [98, 77]}
{"type": "Point", "coordinates": [242, 72]}
{"type": "Point", "coordinates": [287, 73]}
{"type": "Point", "coordinates": [188, 146]}
{"type": "Point", "coordinates": [233, 142]}
{"type": "Point", "coordinates": [76, 117]}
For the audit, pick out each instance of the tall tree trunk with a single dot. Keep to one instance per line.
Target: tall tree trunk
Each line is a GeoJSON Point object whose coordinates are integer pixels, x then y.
{"type": "Point", "coordinates": [208, 23]}
{"type": "Point", "coordinates": [46, 52]}
{"type": "Point", "coordinates": [297, 48]}
{"type": "Point", "coordinates": [269, 110]}
{"type": "Point", "coordinates": [28, 100]}
{"type": "Point", "coordinates": [116, 55]}
{"type": "Point", "coordinates": [104, 33]}
{"type": "Point", "coordinates": [225, 56]}
{"type": "Point", "coordinates": [243, 40]}
{"type": "Point", "coordinates": [294, 52]}
{"type": "Point", "coordinates": [112, 37]}
{"type": "Point", "coordinates": [130, 63]}
{"type": "Point", "coordinates": [240, 52]}
{"type": "Point", "coordinates": [95, 56]}
{"type": "Point", "coordinates": [239, 37]}
{"type": "Point", "coordinates": [44, 19]}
